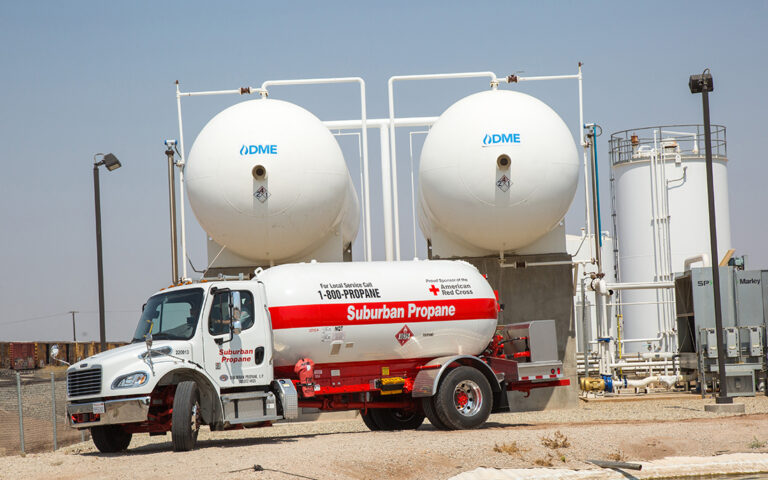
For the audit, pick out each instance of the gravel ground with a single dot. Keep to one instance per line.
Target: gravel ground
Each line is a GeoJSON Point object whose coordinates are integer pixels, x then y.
{"type": "Point", "coordinates": [642, 429]}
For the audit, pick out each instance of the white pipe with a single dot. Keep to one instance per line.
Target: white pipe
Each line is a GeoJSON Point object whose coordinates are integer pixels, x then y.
{"type": "Point", "coordinates": [180, 165]}
{"type": "Point", "coordinates": [392, 143]}
{"type": "Point", "coordinates": [703, 258]}
{"type": "Point", "coordinates": [364, 131]}
{"type": "Point", "coordinates": [386, 193]}
{"type": "Point", "coordinates": [239, 91]}
{"type": "Point", "coordinates": [413, 190]}
{"type": "Point", "coordinates": [550, 77]}
{"type": "Point", "coordinates": [660, 363]}
{"type": "Point", "coordinates": [379, 122]}
{"type": "Point", "coordinates": [667, 380]}
{"type": "Point", "coordinates": [584, 155]}
{"type": "Point", "coordinates": [656, 355]}
{"type": "Point", "coordinates": [640, 285]}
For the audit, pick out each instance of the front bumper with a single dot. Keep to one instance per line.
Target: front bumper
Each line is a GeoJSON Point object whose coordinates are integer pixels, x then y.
{"type": "Point", "coordinates": [108, 412]}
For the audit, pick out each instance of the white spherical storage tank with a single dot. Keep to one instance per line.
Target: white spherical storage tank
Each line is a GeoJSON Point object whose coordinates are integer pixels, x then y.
{"type": "Point", "coordinates": [268, 181]}
{"type": "Point", "coordinates": [498, 171]}
{"type": "Point", "coordinates": [662, 219]}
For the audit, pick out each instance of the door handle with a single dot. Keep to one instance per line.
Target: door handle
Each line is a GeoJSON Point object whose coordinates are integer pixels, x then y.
{"type": "Point", "coordinates": [258, 355]}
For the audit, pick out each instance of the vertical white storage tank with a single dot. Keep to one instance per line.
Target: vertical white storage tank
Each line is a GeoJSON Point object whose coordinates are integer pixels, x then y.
{"type": "Point", "coordinates": [661, 218]}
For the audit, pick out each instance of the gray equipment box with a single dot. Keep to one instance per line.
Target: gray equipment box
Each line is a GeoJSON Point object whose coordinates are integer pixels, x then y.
{"type": "Point", "coordinates": [749, 297]}
{"type": "Point", "coordinates": [704, 298]}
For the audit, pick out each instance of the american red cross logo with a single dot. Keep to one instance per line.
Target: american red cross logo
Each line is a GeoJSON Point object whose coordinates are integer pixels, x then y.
{"type": "Point", "coordinates": [434, 290]}
{"type": "Point", "coordinates": [403, 335]}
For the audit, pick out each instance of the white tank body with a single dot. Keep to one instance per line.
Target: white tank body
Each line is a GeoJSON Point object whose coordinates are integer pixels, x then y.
{"type": "Point", "coordinates": [268, 180]}
{"type": "Point", "coordinates": [658, 228]}
{"type": "Point", "coordinates": [498, 171]}
{"type": "Point", "coordinates": [373, 311]}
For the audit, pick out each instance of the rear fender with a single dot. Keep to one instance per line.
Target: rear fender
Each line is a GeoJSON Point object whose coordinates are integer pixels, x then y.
{"type": "Point", "coordinates": [428, 379]}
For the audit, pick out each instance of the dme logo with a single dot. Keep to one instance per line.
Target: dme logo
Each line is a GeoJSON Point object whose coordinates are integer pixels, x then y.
{"type": "Point", "coordinates": [254, 149]}
{"type": "Point", "coordinates": [501, 138]}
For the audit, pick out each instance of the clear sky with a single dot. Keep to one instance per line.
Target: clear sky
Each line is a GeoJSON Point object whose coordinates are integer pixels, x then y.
{"type": "Point", "coordinates": [85, 77]}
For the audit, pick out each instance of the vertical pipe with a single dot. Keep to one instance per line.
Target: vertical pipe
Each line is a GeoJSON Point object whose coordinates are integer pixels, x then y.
{"type": "Point", "coordinates": [99, 264]}
{"type": "Point", "coordinates": [386, 193]}
{"type": "Point", "coordinates": [181, 186]}
{"type": "Point", "coordinates": [723, 396]}
{"type": "Point", "coordinates": [21, 414]}
{"type": "Point", "coordinates": [366, 182]}
{"type": "Point", "coordinates": [585, 336]}
{"type": "Point", "coordinates": [393, 156]}
{"type": "Point", "coordinates": [74, 333]}
{"type": "Point", "coordinates": [595, 205]}
{"type": "Point", "coordinates": [53, 410]}
{"type": "Point", "coordinates": [172, 210]}
{"type": "Point", "coordinates": [584, 154]}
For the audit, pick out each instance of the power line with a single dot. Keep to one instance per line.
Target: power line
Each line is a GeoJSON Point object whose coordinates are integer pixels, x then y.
{"type": "Point", "coordinates": [67, 313]}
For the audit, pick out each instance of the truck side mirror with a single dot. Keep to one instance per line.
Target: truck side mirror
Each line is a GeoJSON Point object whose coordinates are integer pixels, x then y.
{"type": "Point", "coordinates": [236, 327]}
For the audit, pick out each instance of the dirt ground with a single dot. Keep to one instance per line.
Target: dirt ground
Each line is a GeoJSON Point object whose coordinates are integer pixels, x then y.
{"type": "Point", "coordinates": [647, 428]}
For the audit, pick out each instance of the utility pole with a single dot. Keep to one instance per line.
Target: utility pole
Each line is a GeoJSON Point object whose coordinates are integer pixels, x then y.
{"type": "Point", "coordinates": [74, 334]}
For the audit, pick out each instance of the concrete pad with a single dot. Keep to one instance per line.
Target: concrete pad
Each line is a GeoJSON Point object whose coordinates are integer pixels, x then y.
{"type": "Point", "coordinates": [670, 467]}
{"type": "Point", "coordinates": [733, 408]}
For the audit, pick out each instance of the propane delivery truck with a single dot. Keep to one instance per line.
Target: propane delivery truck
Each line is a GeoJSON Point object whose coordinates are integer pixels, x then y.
{"type": "Point", "coordinates": [398, 341]}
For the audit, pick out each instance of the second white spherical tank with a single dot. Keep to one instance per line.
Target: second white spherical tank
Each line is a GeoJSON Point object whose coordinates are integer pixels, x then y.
{"type": "Point", "coordinates": [498, 171]}
{"type": "Point", "coordinates": [268, 180]}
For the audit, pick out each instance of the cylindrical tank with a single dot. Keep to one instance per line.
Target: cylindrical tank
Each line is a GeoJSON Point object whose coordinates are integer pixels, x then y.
{"type": "Point", "coordinates": [358, 312]}
{"type": "Point", "coordinates": [498, 171]}
{"type": "Point", "coordinates": [662, 218]}
{"type": "Point", "coordinates": [267, 180]}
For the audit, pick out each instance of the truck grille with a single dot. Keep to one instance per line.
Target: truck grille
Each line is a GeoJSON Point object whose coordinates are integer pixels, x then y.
{"type": "Point", "coordinates": [84, 382]}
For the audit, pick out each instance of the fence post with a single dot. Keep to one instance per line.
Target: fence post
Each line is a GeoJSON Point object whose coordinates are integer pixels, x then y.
{"type": "Point", "coordinates": [53, 409]}
{"type": "Point", "coordinates": [21, 414]}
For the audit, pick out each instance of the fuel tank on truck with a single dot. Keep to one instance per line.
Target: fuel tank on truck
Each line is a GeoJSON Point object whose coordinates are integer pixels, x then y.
{"type": "Point", "coordinates": [268, 182]}
{"type": "Point", "coordinates": [373, 311]}
{"type": "Point", "coordinates": [498, 172]}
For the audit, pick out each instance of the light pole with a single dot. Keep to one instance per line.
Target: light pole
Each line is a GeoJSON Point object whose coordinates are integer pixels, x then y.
{"type": "Point", "coordinates": [74, 334]}
{"type": "Point", "coordinates": [703, 84]}
{"type": "Point", "coordinates": [112, 163]}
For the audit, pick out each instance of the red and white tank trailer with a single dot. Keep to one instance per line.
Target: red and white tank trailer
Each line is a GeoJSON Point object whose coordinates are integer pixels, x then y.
{"type": "Point", "coordinates": [398, 341]}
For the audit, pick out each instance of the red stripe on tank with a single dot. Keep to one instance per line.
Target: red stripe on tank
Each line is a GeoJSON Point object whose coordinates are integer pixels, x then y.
{"type": "Point", "coordinates": [333, 314]}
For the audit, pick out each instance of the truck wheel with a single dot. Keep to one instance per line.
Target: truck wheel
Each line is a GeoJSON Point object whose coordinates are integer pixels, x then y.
{"type": "Point", "coordinates": [369, 421]}
{"type": "Point", "coordinates": [185, 420]}
{"type": "Point", "coordinates": [427, 404]}
{"type": "Point", "coordinates": [110, 438]}
{"type": "Point", "coordinates": [396, 419]}
{"type": "Point", "coordinates": [464, 399]}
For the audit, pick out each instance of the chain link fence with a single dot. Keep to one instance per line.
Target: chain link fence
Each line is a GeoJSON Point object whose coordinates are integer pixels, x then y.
{"type": "Point", "coordinates": [32, 412]}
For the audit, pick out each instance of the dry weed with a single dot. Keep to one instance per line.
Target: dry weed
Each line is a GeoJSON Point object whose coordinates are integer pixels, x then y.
{"type": "Point", "coordinates": [511, 448]}
{"type": "Point", "coordinates": [756, 443]}
{"type": "Point", "coordinates": [617, 456]}
{"type": "Point", "coordinates": [544, 462]}
{"type": "Point", "coordinates": [557, 440]}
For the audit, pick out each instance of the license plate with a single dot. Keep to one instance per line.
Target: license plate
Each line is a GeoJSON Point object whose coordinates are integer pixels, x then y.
{"type": "Point", "coordinates": [98, 407]}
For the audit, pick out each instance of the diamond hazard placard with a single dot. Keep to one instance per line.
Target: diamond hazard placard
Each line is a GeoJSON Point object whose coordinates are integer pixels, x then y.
{"type": "Point", "coordinates": [403, 335]}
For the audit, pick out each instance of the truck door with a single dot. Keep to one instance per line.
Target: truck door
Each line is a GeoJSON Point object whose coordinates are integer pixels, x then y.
{"type": "Point", "coordinates": [243, 359]}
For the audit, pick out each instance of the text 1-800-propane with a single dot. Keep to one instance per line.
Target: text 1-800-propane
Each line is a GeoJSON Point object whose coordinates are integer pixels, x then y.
{"type": "Point", "coordinates": [357, 312]}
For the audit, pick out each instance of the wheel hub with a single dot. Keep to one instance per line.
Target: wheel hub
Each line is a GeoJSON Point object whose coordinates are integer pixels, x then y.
{"type": "Point", "coordinates": [468, 398]}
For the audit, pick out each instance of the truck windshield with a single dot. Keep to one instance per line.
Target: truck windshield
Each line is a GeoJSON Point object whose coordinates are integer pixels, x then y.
{"type": "Point", "coordinates": [170, 316]}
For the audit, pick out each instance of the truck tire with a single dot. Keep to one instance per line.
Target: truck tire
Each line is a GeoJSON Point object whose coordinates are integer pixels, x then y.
{"type": "Point", "coordinates": [185, 420]}
{"type": "Point", "coordinates": [110, 438]}
{"type": "Point", "coordinates": [369, 421]}
{"type": "Point", "coordinates": [464, 399]}
{"type": "Point", "coordinates": [396, 419]}
{"type": "Point", "coordinates": [427, 404]}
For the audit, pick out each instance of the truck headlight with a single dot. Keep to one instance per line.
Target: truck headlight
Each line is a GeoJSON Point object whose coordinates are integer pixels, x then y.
{"type": "Point", "coordinates": [131, 380]}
